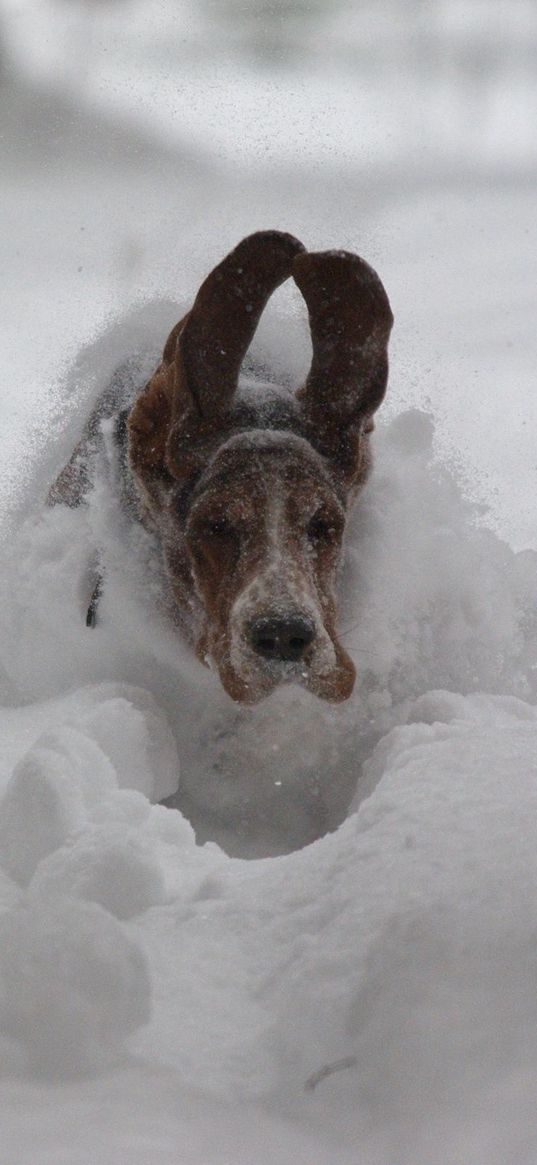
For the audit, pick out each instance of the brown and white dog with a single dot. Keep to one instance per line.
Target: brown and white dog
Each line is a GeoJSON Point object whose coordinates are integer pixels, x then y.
{"type": "Point", "coordinates": [247, 487]}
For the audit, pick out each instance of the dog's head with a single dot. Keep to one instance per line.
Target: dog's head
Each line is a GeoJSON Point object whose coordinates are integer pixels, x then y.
{"type": "Point", "coordinates": [248, 489]}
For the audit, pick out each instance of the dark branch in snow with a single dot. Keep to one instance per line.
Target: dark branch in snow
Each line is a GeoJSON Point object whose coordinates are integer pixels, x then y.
{"type": "Point", "coordinates": [328, 1070]}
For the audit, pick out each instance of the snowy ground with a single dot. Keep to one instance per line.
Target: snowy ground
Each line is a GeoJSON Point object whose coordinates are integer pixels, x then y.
{"type": "Point", "coordinates": [162, 1001]}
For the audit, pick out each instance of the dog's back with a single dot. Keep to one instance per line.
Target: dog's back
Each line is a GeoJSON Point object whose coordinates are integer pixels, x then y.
{"type": "Point", "coordinates": [109, 415]}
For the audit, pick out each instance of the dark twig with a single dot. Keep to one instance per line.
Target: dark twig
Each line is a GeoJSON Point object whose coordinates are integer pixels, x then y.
{"type": "Point", "coordinates": [91, 613]}
{"type": "Point", "coordinates": [328, 1070]}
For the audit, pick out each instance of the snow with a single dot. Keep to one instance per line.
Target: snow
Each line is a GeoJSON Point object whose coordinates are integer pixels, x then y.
{"type": "Point", "coordinates": [164, 1000]}
{"type": "Point", "coordinates": [362, 69]}
{"type": "Point", "coordinates": [405, 940]}
{"type": "Point", "coordinates": [74, 985]}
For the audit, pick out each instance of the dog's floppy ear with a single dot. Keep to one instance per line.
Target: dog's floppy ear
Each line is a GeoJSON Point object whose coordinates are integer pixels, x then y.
{"type": "Point", "coordinates": [186, 402]}
{"type": "Point", "coordinates": [150, 420]}
{"type": "Point", "coordinates": [350, 321]}
{"type": "Point", "coordinates": [219, 329]}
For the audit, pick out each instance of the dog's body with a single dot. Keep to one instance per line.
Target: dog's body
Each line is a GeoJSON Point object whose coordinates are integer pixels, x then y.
{"type": "Point", "coordinates": [246, 487]}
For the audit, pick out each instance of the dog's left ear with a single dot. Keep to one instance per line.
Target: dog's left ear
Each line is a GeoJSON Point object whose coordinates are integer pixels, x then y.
{"type": "Point", "coordinates": [350, 321]}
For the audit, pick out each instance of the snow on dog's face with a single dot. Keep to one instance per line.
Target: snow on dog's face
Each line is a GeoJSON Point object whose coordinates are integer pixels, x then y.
{"type": "Point", "coordinates": [248, 492]}
{"type": "Point", "coordinates": [264, 534]}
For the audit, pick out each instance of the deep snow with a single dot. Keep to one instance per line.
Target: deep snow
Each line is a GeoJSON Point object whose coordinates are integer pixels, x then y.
{"type": "Point", "coordinates": [163, 1001]}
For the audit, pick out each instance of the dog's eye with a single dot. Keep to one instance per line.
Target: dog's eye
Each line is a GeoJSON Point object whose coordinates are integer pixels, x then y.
{"type": "Point", "coordinates": [320, 529]}
{"type": "Point", "coordinates": [219, 528]}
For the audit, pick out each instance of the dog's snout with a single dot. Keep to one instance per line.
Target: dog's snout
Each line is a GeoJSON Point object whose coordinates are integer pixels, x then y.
{"type": "Point", "coordinates": [282, 638]}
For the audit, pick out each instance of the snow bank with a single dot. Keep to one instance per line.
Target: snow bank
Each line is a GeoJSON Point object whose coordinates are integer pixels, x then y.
{"type": "Point", "coordinates": [435, 598]}
{"type": "Point", "coordinates": [403, 944]}
{"type": "Point", "coordinates": [78, 853]}
{"type": "Point", "coordinates": [73, 985]}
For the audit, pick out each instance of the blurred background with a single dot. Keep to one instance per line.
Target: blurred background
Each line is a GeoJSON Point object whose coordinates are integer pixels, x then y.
{"type": "Point", "coordinates": [141, 139]}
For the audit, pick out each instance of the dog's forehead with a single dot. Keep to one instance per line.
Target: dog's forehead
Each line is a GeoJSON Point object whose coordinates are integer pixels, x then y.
{"type": "Point", "coordinates": [264, 405]}
{"type": "Point", "coordinates": [258, 457]}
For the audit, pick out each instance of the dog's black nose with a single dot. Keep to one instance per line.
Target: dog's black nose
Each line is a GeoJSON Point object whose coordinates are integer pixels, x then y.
{"type": "Point", "coordinates": [283, 639]}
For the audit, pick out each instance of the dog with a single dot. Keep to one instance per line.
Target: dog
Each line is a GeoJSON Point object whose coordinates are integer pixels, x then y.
{"type": "Point", "coordinates": [247, 486]}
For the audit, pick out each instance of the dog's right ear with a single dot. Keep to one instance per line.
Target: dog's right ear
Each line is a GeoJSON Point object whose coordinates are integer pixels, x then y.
{"type": "Point", "coordinates": [350, 322]}
{"type": "Point", "coordinates": [150, 419]}
{"type": "Point", "coordinates": [185, 405]}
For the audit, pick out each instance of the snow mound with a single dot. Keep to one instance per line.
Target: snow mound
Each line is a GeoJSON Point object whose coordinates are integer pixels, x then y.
{"type": "Point", "coordinates": [44, 799]}
{"type": "Point", "coordinates": [73, 985]}
{"type": "Point", "coordinates": [107, 866]}
{"type": "Point", "coordinates": [436, 598]}
{"type": "Point", "coordinates": [101, 737]}
{"type": "Point", "coordinates": [403, 946]}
